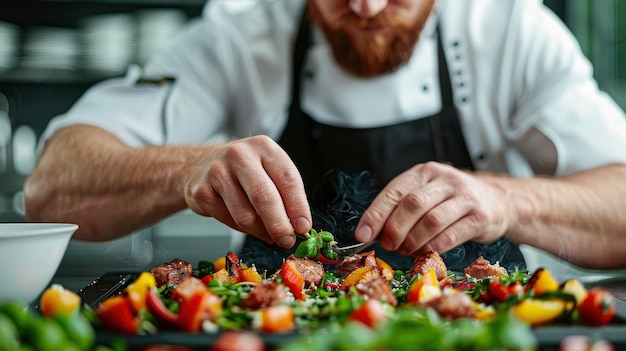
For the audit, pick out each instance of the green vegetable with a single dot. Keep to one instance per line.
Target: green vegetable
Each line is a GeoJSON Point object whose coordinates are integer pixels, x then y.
{"type": "Point", "coordinates": [9, 336]}
{"type": "Point", "coordinates": [78, 329]}
{"type": "Point", "coordinates": [316, 244]}
{"type": "Point", "coordinates": [19, 313]}
{"type": "Point", "coordinates": [47, 335]}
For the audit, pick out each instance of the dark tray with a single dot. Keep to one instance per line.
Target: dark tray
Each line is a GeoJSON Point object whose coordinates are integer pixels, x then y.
{"type": "Point", "coordinates": [113, 283]}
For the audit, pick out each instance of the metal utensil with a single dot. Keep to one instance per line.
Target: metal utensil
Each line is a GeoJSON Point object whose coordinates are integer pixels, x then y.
{"type": "Point", "coordinates": [345, 251]}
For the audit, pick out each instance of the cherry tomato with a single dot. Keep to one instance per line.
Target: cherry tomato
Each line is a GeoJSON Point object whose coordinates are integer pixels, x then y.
{"type": "Point", "coordinates": [371, 313]}
{"type": "Point", "coordinates": [500, 292]}
{"type": "Point", "coordinates": [597, 308]}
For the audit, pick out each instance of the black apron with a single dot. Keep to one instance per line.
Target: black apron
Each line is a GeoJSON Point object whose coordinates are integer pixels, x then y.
{"type": "Point", "coordinates": [346, 166]}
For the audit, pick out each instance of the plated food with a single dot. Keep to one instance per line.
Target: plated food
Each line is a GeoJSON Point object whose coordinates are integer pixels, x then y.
{"type": "Point", "coordinates": [314, 293]}
{"type": "Point", "coordinates": [317, 301]}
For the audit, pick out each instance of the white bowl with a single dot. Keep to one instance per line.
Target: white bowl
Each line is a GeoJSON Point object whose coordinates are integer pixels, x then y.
{"type": "Point", "coordinates": [30, 254]}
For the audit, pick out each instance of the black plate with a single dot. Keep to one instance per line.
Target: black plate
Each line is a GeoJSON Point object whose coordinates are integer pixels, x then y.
{"type": "Point", "coordinates": [113, 283]}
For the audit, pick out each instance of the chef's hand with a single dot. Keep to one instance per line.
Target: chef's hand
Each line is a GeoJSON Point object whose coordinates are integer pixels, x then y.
{"type": "Point", "coordinates": [252, 186]}
{"type": "Point", "coordinates": [434, 206]}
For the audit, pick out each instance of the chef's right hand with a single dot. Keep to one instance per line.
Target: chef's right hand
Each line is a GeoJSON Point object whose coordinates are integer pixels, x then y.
{"type": "Point", "coordinates": [252, 186]}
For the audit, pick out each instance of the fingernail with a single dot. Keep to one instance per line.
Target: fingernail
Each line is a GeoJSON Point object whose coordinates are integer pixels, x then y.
{"type": "Point", "coordinates": [302, 225]}
{"type": "Point", "coordinates": [364, 234]}
{"type": "Point", "coordinates": [286, 241]}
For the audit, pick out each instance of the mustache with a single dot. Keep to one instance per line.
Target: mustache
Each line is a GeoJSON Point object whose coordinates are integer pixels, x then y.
{"type": "Point", "coordinates": [380, 20]}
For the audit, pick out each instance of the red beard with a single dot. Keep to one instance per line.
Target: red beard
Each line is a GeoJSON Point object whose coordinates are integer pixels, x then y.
{"type": "Point", "coordinates": [365, 55]}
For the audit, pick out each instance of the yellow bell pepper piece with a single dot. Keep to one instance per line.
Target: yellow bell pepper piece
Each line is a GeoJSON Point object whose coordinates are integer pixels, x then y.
{"type": "Point", "coordinates": [137, 291]}
{"type": "Point", "coordinates": [576, 288]}
{"type": "Point", "coordinates": [56, 300]}
{"type": "Point", "coordinates": [538, 312]}
{"type": "Point", "coordinates": [545, 282]}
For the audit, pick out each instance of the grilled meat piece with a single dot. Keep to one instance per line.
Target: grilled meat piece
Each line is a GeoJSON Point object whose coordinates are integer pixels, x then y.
{"type": "Point", "coordinates": [377, 287]}
{"type": "Point", "coordinates": [482, 268]}
{"type": "Point", "coordinates": [423, 263]}
{"type": "Point", "coordinates": [264, 294]}
{"type": "Point", "coordinates": [234, 340]}
{"type": "Point", "coordinates": [172, 272]}
{"type": "Point", "coordinates": [458, 305]}
{"type": "Point", "coordinates": [351, 263]}
{"type": "Point", "coordinates": [311, 271]}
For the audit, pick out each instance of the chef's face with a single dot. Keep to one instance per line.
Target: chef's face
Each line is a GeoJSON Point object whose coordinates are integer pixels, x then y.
{"type": "Point", "coordinates": [371, 37]}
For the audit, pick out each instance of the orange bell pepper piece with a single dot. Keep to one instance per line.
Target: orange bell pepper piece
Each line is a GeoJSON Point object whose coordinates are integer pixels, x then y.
{"type": "Point", "coordinates": [277, 319]}
{"type": "Point", "coordinates": [386, 268]}
{"type": "Point", "coordinates": [356, 276]}
{"type": "Point", "coordinates": [250, 274]}
{"type": "Point", "coordinates": [417, 290]}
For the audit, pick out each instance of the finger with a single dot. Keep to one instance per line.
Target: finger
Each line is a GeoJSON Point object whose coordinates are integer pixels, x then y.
{"type": "Point", "coordinates": [260, 194]}
{"type": "Point", "coordinates": [267, 206]}
{"type": "Point", "coordinates": [376, 215]}
{"type": "Point", "coordinates": [206, 201]}
{"type": "Point", "coordinates": [440, 218]}
{"type": "Point", "coordinates": [415, 207]}
{"type": "Point", "coordinates": [240, 211]}
{"type": "Point", "coordinates": [288, 181]}
{"type": "Point", "coordinates": [453, 236]}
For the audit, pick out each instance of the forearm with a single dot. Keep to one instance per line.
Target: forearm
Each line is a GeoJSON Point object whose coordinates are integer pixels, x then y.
{"type": "Point", "coordinates": [579, 218]}
{"type": "Point", "coordinates": [87, 176]}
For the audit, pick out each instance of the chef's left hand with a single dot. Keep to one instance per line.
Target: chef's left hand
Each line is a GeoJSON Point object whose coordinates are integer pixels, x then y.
{"type": "Point", "coordinates": [434, 206]}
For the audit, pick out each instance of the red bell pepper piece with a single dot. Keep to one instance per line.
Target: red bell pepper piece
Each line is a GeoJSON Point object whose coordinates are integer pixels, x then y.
{"type": "Point", "coordinates": [158, 309]}
{"type": "Point", "coordinates": [198, 308]}
{"type": "Point", "coordinates": [233, 266]}
{"type": "Point", "coordinates": [325, 260]}
{"type": "Point", "coordinates": [116, 314]}
{"type": "Point", "coordinates": [293, 279]}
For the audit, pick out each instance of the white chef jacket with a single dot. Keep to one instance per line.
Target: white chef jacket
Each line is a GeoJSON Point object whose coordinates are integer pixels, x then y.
{"type": "Point", "coordinates": [517, 75]}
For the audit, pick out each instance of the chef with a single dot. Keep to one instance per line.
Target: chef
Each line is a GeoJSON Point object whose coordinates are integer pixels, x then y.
{"type": "Point", "coordinates": [479, 122]}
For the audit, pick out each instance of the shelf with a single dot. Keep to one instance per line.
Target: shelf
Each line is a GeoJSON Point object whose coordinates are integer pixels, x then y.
{"type": "Point", "coordinates": [54, 76]}
{"type": "Point", "coordinates": [69, 13]}
{"type": "Point", "coordinates": [166, 3]}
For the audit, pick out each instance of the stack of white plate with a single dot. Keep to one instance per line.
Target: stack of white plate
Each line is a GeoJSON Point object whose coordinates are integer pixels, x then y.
{"type": "Point", "coordinates": [51, 47]}
{"type": "Point", "coordinates": [155, 30]}
{"type": "Point", "coordinates": [9, 49]}
{"type": "Point", "coordinates": [108, 41]}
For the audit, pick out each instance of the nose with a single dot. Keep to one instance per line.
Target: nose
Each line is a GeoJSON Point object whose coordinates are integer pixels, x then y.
{"type": "Point", "coordinates": [367, 8]}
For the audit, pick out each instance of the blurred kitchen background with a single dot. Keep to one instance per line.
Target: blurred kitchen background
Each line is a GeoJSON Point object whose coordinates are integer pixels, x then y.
{"type": "Point", "coordinates": [52, 50]}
